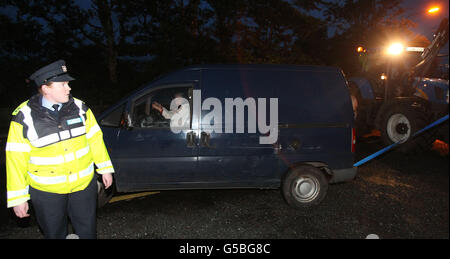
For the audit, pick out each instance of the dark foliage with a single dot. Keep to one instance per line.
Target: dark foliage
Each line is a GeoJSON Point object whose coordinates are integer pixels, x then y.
{"type": "Point", "coordinates": [112, 47]}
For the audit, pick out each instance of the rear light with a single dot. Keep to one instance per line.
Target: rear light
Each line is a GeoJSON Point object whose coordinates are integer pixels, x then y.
{"type": "Point", "coordinates": [353, 140]}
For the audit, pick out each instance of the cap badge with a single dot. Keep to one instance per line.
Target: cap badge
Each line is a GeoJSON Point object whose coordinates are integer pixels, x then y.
{"type": "Point", "coordinates": [64, 68]}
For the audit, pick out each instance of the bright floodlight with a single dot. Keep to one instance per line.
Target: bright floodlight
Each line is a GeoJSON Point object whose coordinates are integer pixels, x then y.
{"type": "Point", "coordinates": [433, 10]}
{"type": "Point", "coordinates": [395, 49]}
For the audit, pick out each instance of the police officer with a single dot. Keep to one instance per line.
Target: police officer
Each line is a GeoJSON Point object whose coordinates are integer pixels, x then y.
{"type": "Point", "coordinates": [53, 144]}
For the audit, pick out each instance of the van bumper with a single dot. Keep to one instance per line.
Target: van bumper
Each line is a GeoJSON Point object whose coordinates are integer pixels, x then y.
{"type": "Point", "coordinates": [343, 175]}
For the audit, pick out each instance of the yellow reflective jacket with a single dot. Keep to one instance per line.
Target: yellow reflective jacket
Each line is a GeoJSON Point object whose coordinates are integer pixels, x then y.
{"type": "Point", "coordinates": [53, 155]}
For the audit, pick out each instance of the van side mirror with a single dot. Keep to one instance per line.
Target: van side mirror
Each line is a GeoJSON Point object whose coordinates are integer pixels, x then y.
{"type": "Point", "coordinates": [125, 121]}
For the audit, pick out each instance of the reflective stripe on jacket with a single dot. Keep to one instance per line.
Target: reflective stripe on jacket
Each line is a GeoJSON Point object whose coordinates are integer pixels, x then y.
{"type": "Point", "coordinates": [53, 155]}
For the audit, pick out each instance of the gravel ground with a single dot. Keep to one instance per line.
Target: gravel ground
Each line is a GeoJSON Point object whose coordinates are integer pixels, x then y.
{"type": "Point", "coordinates": [394, 196]}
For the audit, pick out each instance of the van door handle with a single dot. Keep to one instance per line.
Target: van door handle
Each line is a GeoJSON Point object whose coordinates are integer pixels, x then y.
{"type": "Point", "coordinates": [205, 139]}
{"type": "Point", "coordinates": [190, 139]}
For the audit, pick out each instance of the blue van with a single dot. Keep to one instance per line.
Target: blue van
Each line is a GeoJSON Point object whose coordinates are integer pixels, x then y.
{"type": "Point", "coordinates": [245, 126]}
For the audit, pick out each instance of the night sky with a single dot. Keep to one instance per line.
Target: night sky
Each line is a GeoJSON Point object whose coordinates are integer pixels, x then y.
{"type": "Point", "coordinates": [416, 10]}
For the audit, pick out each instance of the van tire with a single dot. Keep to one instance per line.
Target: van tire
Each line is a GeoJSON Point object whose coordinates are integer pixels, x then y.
{"type": "Point", "coordinates": [104, 195]}
{"type": "Point", "coordinates": [304, 186]}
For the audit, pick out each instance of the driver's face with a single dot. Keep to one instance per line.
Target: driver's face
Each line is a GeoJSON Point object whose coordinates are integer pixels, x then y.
{"type": "Point", "coordinates": [179, 99]}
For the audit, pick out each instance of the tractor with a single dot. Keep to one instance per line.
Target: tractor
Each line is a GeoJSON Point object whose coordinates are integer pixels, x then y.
{"type": "Point", "coordinates": [400, 96]}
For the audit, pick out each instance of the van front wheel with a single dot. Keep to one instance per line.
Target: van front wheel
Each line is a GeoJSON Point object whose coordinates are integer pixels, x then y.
{"type": "Point", "coordinates": [104, 195]}
{"type": "Point", "coordinates": [304, 186]}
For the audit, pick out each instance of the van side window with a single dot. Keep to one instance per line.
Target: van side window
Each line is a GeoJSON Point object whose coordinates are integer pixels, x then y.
{"type": "Point", "coordinates": [146, 116]}
{"type": "Point", "coordinates": [113, 118]}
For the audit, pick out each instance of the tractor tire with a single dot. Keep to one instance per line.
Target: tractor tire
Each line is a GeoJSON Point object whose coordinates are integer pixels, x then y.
{"type": "Point", "coordinates": [398, 125]}
{"type": "Point", "coordinates": [443, 132]}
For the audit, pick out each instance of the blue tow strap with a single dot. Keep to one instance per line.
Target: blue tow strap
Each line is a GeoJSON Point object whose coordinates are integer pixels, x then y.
{"type": "Point", "coordinates": [367, 159]}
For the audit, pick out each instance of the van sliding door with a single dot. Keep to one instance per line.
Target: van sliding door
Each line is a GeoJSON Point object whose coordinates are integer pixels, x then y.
{"type": "Point", "coordinates": [234, 159]}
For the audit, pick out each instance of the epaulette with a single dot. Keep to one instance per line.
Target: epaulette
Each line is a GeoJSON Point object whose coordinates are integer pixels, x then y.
{"type": "Point", "coordinates": [84, 107]}
{"type": "Point", "coordinates": [17, 110]}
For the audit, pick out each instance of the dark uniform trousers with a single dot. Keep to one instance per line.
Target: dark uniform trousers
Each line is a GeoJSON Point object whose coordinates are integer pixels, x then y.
{"type": "Point", "coordinates": [53, 210]}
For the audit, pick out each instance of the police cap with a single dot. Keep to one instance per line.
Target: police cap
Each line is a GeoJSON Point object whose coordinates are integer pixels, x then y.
{"type": "Point", "coordinates": [55, 72]}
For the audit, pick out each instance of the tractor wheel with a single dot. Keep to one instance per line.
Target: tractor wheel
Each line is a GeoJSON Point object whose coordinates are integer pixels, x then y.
{"type": "Point", "coordinates": [400, 123]}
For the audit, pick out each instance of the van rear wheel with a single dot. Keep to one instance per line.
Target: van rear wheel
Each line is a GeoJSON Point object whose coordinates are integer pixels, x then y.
{"type": "Point", "coordinates": [304, 186]}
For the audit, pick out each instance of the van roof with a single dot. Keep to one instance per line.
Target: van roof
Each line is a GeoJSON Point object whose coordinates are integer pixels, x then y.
{"type": "Point", "coordinates": [195, 68]}
{"type": "Point", "coordinates": [262, 66]}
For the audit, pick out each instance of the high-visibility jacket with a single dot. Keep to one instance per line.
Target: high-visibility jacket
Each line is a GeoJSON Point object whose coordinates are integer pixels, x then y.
{"type": "Point", "coordinates": [52, 154]}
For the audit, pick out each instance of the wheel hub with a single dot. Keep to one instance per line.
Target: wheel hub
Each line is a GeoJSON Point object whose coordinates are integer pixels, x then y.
{"type": "Point", "coordinates": [398, 128]}
{"type": "Point", "coordinates": [402, 128]}
{"type": "Point", "coordinates": [306, 189]}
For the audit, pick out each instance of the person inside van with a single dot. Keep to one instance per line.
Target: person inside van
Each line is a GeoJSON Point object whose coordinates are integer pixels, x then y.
{"type": "Point", "coordinates": [180, 108]}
